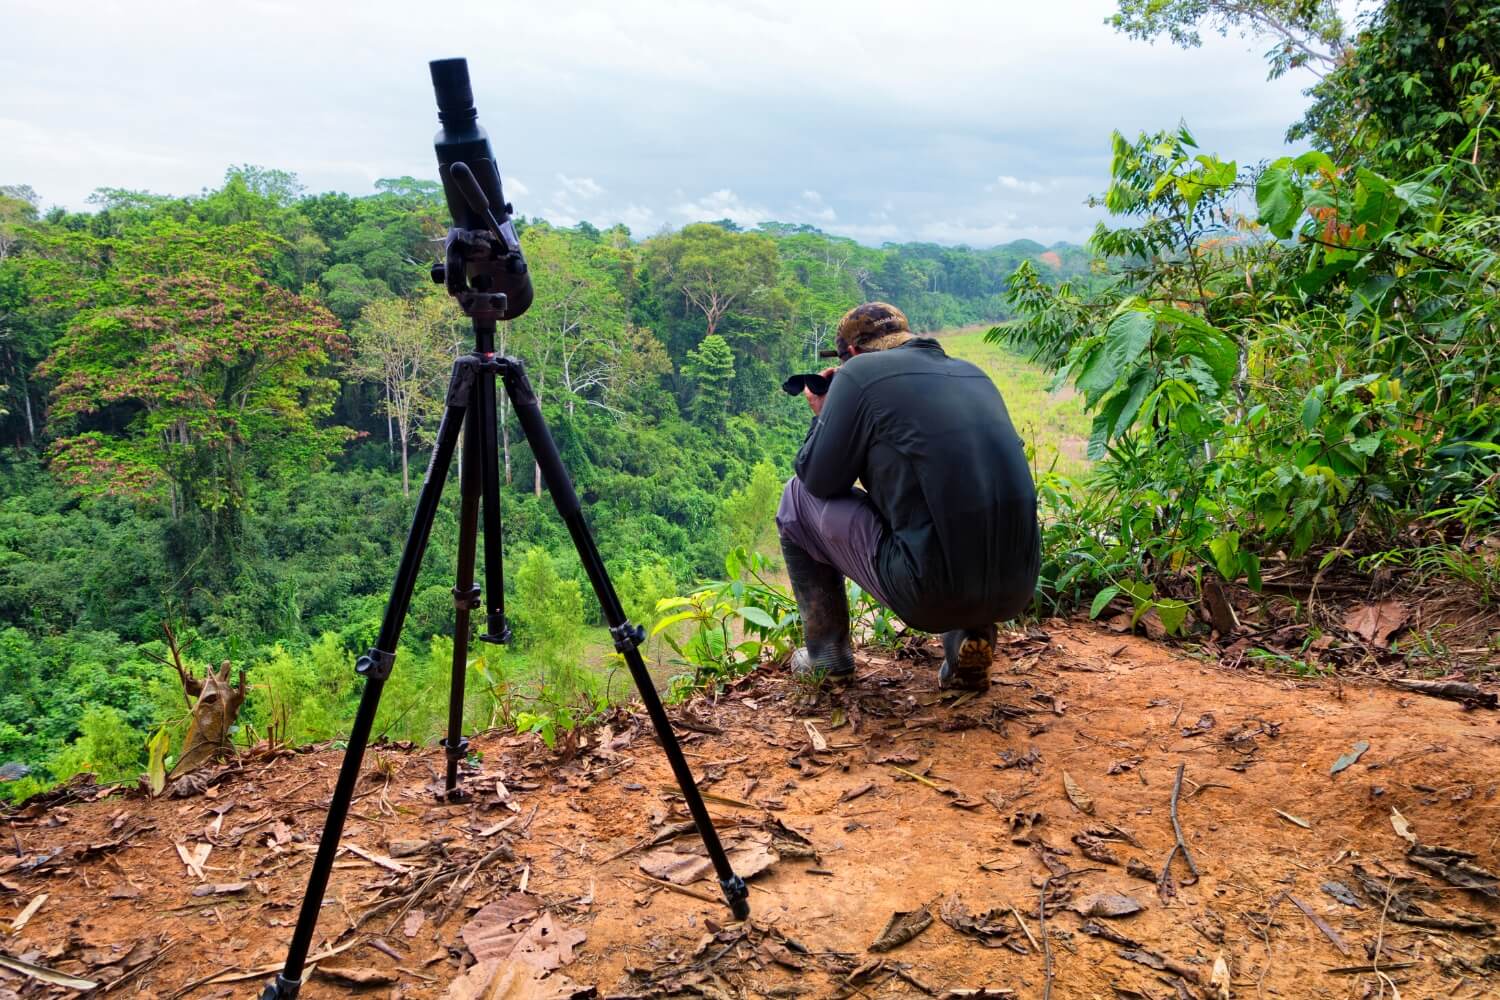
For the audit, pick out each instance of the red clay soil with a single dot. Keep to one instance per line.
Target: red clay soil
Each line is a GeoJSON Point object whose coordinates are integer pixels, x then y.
{"type": "Point", "coordinates": [987, 825]}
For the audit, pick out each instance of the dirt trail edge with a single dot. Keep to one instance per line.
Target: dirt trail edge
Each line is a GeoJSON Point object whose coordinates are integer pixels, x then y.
{"type": "Point", "coordinates": [1344, 837]}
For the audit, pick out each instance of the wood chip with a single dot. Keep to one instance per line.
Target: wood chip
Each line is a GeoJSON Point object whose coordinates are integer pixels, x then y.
{"type": "Point", "coordinates": [819, 743]}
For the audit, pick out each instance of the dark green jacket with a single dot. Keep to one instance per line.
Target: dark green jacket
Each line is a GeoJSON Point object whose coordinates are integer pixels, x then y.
{"type": "Point", "coordinates": [929, 439]}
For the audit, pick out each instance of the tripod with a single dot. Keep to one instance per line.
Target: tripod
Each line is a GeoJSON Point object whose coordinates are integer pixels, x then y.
{"type": "Point", "coordinates": [478, 260]}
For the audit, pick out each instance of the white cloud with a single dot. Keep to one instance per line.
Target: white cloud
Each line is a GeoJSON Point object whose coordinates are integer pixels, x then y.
{"type": "Point", "coordinates": [721, 204]}
{"type": "Point", "coordinates": [645, 94]}
{"type": "Point", "coordinates": [1009, 183]}
{"type": "Point", "coordinates": [582, 187]}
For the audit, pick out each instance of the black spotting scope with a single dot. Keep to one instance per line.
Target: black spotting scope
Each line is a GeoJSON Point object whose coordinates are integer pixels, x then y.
{"type": "Point", "coordinates": [471, 183]}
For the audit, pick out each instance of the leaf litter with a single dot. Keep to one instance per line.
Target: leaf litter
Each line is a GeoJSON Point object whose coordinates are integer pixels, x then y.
{"type": "Point", "coordinates": [589, 816]}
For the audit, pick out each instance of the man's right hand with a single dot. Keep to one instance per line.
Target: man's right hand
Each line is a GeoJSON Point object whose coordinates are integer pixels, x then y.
{"type": "Point", "coordinates": [815, 401]}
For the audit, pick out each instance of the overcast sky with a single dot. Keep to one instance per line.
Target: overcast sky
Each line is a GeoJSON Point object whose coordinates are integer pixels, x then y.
{"type": "Point", "coordinates": [976, 122]}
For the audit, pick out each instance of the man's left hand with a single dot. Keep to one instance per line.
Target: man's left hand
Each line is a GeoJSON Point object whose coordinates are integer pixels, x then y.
{"type": "Point", "coordinates": [814, 401]}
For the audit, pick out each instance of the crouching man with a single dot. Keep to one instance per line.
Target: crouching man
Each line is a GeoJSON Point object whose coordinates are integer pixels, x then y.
{"type": "Point", "coordinates": [944, 531]}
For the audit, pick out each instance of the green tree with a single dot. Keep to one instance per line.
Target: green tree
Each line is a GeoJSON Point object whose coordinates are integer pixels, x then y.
{"type": "Point", "coordinates": [181, 368]}
{"type": "Point", "coordinates": [710, 370]}
{"type": "Point", "coordinates": [712, 269]}
{"type": "Point", "coordinates": [749, 511]}
{"type": "Point", "coordinates": [407, 347]}
{"type": "Point", "coordinates": [1304, 33]}
{"type": "Point", "coordinates": [1419, 81]}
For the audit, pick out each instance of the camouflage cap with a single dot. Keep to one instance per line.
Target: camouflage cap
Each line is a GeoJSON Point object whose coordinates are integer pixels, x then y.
{"type": "Point", "coordinates": [874, 326]}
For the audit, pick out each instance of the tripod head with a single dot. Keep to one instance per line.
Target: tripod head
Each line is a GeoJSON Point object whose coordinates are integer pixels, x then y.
{"type": "Point", "coordinates": [483, 268]}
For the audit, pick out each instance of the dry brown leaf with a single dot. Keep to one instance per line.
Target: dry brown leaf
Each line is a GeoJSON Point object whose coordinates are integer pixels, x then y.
{"type": "Point", "coordinates": [1218, 980]}
{"type": "Point", "coordinates": [414, 921]}
{"type": "Point", "coordinates": [749, 857]}
{"type": "Point", "coordinates": [901, 928]}
{"type": "Point", "coordinates": [25, 915]}
{"type": "Point", "coordinates": [1294, 820]}
{"type": "Point", "coordinates": [1376, 623]}
{"type": "Point", "coordinates": [498, 979]}
{"type": "Point", "coordinates": [46, 975]}
{"type": "Point", "coordinates": [1077, 796]}
{"type": "Point", "coordinates": [492, 933]}
{"type": "Point", "coordinates": [1107, 904]}
{"type": "Point", "coordinates": [357, 975]}
{"type": "Point", "coordinates": [1402, 827]}
{"type": "Point", "coordinates": [819, 743]}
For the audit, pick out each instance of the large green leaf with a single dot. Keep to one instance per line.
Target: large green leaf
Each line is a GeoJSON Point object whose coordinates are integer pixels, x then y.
{"type": "Point", "coordinates": [1124, 341]}
{"type": "Point", "coordinates": [756, 616]}
{"type": "Point", "coordinates": [1278, 196]}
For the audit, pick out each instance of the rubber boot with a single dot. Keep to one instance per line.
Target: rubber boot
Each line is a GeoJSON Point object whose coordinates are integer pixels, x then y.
{"type": "Point", "coordinates": [824, 606]}
{"type": "Point", "coordinates": [967, 655]}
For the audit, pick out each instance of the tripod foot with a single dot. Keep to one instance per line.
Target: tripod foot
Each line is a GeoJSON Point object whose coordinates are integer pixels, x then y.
{"type": "Point", "coordinates": [282, 988]}
{"type": "Point", "coordinates": [737, 894]}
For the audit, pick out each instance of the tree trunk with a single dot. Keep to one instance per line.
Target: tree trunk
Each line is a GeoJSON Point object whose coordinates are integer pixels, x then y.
{"type": "Point", "coordinates": [214, 715]}
{"type": "Point", "coordinates": [505, 441]}
{"type": "Point", "coordinates": [537, 480]}
{"type": "Point", "coordinates": [30, 420]}
{"type": "Point", "coordinates": [405, 480]}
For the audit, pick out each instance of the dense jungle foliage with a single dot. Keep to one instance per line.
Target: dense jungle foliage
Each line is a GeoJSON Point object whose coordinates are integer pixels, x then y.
{"type": "Point", "coordinates": [216, 410]}
{"type": "Point", "coordinates": [213, 405]}
{"type": "Point", "coordinates": [1293, 360]}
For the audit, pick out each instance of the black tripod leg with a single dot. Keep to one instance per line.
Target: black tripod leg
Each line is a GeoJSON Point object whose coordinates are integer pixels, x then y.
{"type": "Point", "coordinates": [497, 629]}
{"type": "Point", "coordinates": [465, 597]}
{"type": "Point", "coordinates": [627, 636]}
{"type": "Point", "coordinates": [375, 667]}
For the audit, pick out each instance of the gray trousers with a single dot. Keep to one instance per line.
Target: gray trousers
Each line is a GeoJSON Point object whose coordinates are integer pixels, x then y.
{"type": "Point", "coordinates": [843, 532]}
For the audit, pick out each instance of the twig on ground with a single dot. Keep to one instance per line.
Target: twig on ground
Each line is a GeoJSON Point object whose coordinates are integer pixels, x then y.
{"type": "Point", "coordinates": [662, 884]}
{"type": "Point", "coordinates": [1046, 946]}
{"type": "Point", "coordinates": [1380, 976]}
{"type": "Point", "coordinates": [1181, 844]}
{"type": "Point", "coordinates": [1024, 929]}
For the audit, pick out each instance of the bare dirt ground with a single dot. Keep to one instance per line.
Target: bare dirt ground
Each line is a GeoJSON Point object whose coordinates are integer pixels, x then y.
{"type": "Point", "coordinates": [886, 797]}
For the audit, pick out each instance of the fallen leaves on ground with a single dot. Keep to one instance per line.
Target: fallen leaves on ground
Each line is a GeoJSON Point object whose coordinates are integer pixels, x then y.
{"type": "Point", "coordinates": [688, 862]}
{"type": "Point", "coordinates": [1376, 623]}
{"type": "Point", "coordinates": [1076, 795]}
{"type": "Point", "coordinates": [510, 928]}
{"type": "Point", "coordinates": [901, 928]}
{"type": "Point", "coordinates": [499, 979]}
{"type": "Point", "coordinates": [1111, 905]}
{"type": "Point", "coordinates": [994, 927]}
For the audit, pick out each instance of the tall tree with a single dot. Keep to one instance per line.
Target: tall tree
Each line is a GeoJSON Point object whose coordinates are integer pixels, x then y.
{"type": "Point", "coordinates": [407, 347]}
{"type": "Point", "coordinates": [182, 368]}
{"type": "Point", "coordinates": [713, 269]}
{"type": "Point", "coordinates": [710, 370]}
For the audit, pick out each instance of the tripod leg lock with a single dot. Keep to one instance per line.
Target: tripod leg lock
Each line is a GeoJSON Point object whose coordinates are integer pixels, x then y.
{"type": "Point", "coordinates": [456, 751]}
{"type": "Point", "coordinates": [627, 636]}
{"type": "Point", "coordinates": [737, 894]}
{"type": "Point", "coordinates": [375, 665]}
{"type": "Point", "coordinates": [282, 988]}
{"type": "Point", "coordinates": [466, 600]}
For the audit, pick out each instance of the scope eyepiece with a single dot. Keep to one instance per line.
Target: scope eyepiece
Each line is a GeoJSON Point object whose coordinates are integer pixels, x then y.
{"type": "Point", "coordinates": [455, 97]}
